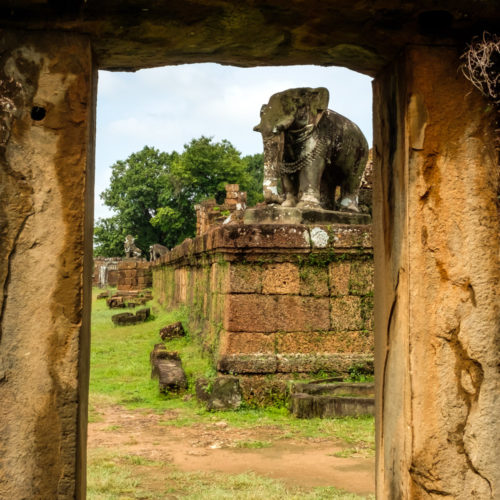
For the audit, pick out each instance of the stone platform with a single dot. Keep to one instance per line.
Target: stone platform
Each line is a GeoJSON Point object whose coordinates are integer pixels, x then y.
{"type": "Point", "coordinates": [275, 299]}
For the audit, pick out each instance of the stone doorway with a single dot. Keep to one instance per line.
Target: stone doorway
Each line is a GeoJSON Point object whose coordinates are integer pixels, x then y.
{"type": "Point", "coordinates": [436, 181]}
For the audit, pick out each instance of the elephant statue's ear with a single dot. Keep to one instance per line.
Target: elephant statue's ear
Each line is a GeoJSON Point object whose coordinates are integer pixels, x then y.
{"type": "Point", "coordinates": [319, 100]}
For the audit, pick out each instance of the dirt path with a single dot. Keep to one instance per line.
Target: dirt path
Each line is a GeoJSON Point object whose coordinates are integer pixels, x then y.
{"type": "Point", "coordinates": [217, 448]}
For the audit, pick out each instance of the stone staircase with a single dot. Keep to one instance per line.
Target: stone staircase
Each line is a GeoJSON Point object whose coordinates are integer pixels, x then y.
{"type": "Point", "coordinates": [331, 398]}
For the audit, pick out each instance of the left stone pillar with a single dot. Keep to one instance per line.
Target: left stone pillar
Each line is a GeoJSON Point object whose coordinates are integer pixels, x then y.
{"type": "Point", "coordinates": [47, 117]}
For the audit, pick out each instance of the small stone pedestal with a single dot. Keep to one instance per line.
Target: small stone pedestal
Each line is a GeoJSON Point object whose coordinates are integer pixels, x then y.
{"type": "Point", "coordinates": [276, 214]}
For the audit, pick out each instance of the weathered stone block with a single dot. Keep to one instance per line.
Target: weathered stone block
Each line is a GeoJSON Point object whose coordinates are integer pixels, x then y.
{"type": "Point", "coordinates": [273, 313]}
{"type": "Point", "coordinates": [361, 279]}
{"type": "Point", "coordinates": [327, 362]}
{"type": "Point", "coordinates": [307, 406]}
{"type": "Point", "coordinates": [246, 343]}
{"type": "Point", "coordinates": [313, 280]}
{"type": "Point", "coordinates": [175, 330]}
{"type": "Point", "coordinates": [339, 274]}
{"type": "Point", "coordinates": [325, 342]}
{"type": "Point", "coordinates": [128, 318]}
{"type": "Point", "coordinates": [247, 363]}
{"type": "Point", "coordinates": [346, 313]}
{"type": "Point", "coordinates": [143, 314]}
{"type": "Point", "coordinates": [245, 278]}
{"type": "Point", "coordinates": [225, 394]}
{"type": "Point", "coordinates": [280, 278]}
{"type": "Point", "coordinates": [167, 367]}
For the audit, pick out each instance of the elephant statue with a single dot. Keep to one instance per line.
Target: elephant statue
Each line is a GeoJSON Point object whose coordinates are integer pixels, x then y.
{"type": "Point", "coordinates": [130, 248]}
{"type": "Point", "coordinates": [312, 149]}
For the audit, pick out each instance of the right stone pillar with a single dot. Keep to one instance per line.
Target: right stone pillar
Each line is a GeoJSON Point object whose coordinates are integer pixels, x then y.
{"type": "Point", "coordinates": [437, 279]}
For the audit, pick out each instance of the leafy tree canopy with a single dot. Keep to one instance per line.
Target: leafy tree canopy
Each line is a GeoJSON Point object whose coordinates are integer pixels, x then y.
{"type": "Point", "coordinates": [153, 193]}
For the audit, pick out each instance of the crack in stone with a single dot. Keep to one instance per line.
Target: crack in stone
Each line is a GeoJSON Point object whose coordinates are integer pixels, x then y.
{"type": "Point", "coordinates": [387, 348]}
{"type": "Point", "coordinates": [5, 286]}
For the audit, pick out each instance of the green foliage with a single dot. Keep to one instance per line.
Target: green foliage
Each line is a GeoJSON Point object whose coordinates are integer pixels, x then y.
{"type": "Point", "coordinates": [255, 169]}
{"type": "Point", "coordinates": [360, 373]}
{"type": "Point", "coordinates": [153, 194]}
{"type": "Point", "coordinates": [134, 195]}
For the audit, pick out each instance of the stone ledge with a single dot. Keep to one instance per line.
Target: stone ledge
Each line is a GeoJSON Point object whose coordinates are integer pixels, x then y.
{"type": "Point", "coordinates": [292, 363]}
{"type": "Point", "coordinates": [248, 239]}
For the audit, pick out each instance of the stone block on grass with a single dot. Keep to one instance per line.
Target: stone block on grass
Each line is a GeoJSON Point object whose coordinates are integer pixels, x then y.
{"type": "Point", "coordinates": [223, 394]}
{"type": "Point", "coordinates": [166, 366]}
{"type": "Point", "coordinates": [173, 331]}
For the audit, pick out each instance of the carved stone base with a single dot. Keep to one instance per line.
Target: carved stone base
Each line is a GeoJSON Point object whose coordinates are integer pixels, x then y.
{"type": "Point", "coordinates": [276, 214]}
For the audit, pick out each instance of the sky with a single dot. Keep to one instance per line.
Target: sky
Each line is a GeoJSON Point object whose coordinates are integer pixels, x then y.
{"type": "Point", "coordinates": [167, 107]}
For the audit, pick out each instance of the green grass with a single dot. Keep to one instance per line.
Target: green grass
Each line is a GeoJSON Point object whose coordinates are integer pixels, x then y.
{"type": "Point", "coordinates": [120, 366]}
{"type": "Point", "coordinates": [115, 476]}
{"type": "Point", "coordinates": [120, 374]}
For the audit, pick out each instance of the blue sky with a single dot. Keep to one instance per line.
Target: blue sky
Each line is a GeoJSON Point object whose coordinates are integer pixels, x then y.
{"type": "Point", "coordinates": [167, 107]}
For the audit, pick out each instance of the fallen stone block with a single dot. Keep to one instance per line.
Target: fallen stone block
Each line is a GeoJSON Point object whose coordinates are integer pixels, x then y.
{"type": "Point", "coordinates": [129, 318]}
{"type": "Point", "coordinates": [173, 331]}
{"type": "Point", "coordinates": [123, 319]}
{"type": "Point", "coordinates": [203, 388]}
{"type": "Point", "coordinates": [143, 314]}
{"type": "Point", "coordinates": [115, 302]}
{"type": "Point", "coordinates": [167, 367]}
{"type": "Point", "coordinates": [223, 394]}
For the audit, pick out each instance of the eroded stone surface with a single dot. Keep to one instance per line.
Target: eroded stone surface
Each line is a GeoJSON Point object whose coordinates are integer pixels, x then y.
{"type": "Point", "coordinates": [437, 282]}
{"type": "Point", "coordinates": [363, 36]}
{"type": "Point", "coordinates": [46, 182]}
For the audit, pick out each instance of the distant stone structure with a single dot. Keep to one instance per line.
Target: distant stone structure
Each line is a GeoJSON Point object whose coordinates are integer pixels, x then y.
{"type": "Point", "coordinates": [209, 214]}
{"type": "Point", "coordinates": [134, 275]}
{"type": "Point", "coordinates": [105, 271]}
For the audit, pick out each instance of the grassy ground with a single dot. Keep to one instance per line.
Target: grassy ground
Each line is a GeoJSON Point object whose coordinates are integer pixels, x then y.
{"type": "Point", "coordinates": [120, 374]}
{"type": "Point", "coordinates": [114, 476]}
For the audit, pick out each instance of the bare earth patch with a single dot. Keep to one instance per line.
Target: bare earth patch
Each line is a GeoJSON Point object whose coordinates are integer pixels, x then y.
{"type": "Point", "coordinates": [221, 448]}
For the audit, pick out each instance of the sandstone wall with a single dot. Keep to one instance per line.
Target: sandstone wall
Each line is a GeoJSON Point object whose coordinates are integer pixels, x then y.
{"type": "Point", "coordinates": [46, 183]}
{"type": "Point", "coordinates": [437, 282]}
{"type": "Point", "coordinates": [266, 300]}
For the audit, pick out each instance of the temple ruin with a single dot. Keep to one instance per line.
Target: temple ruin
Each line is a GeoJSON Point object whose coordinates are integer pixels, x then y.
{"type": "Point", "coordinates": [435, 231]}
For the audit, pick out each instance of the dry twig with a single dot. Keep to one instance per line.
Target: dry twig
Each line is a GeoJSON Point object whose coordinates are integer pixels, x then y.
{"type": "Point", "coordinates": [482, 65]}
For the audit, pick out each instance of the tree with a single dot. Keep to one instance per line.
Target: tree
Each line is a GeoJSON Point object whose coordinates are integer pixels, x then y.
{"type": "Point", "coordinates": [135, 187]}
{"type": "Point", "coordinates": [200, 172]}
{"type": "Point", "coordinates": [153, 194]}
{"type": "Point", "coordinates": [255, 168]}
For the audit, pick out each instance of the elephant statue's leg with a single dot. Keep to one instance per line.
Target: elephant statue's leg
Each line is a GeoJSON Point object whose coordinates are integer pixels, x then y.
{"type": "Point", "coordinates": [290, 189]}
{"type": "Point", "coordinates": [309, 183]}
{"type": "Point", "coordinates": [349, 187]}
